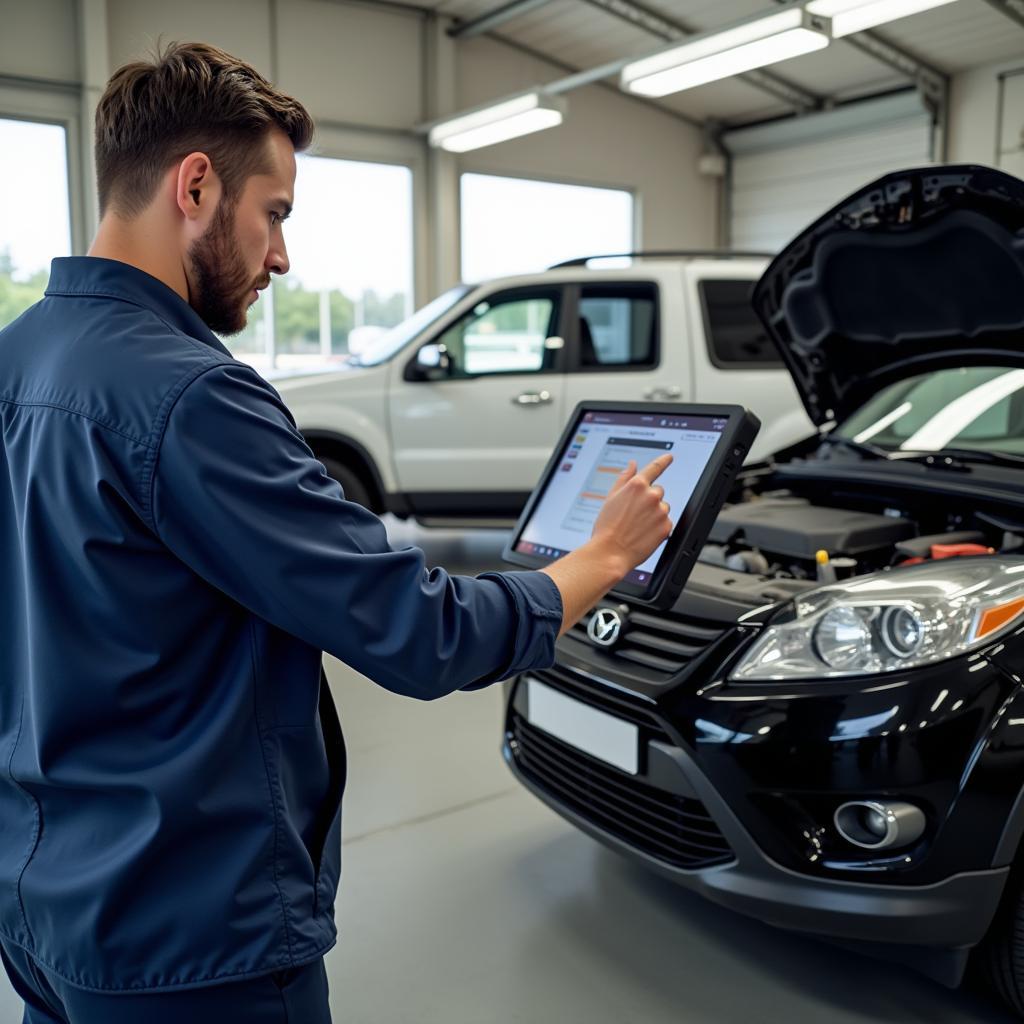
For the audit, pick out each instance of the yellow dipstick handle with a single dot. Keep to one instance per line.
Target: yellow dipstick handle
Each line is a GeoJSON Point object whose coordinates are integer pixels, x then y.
{"type": "Point", "coordinates": [826, 574]}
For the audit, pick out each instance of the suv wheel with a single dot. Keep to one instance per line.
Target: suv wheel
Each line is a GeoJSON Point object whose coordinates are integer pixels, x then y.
{"type": "Point", "coordinates": [353, 486]}
{"type": "Point", "coordinates": [1000, 959]}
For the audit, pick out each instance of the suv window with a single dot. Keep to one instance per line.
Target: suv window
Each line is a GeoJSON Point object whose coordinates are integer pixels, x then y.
{"type": "Point", "coordinates": [618, 326]}
{"type": "Point", "coordinates": [736, 339]}
{"type": "Point", "coordinates": [386, 345]}
{"type": "Point", "coordinates": [504, 334]}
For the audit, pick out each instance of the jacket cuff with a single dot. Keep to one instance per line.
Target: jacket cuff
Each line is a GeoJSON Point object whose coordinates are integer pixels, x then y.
{"type": "Point", "coordinates": [537, 608]}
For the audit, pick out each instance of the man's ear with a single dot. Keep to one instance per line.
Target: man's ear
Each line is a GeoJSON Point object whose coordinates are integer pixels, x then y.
{"type": "Point", "coordinates": [197, 188]}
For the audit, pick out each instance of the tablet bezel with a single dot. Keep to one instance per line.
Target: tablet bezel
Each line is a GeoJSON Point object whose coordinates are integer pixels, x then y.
{"type": "Point", "coordinates": [692, 523]}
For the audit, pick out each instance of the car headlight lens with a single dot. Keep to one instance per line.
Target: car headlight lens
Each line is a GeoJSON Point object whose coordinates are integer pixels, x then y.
{"type": "Point", "coordinates": [841, 636]}
{"type": "Point", "coordinates": [889, 621]}
{"type": "Point", "coordinates": [901, 630]}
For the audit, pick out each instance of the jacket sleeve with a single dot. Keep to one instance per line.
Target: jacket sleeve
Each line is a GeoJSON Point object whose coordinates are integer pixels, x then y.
{"type": "Point", "coordinates": [239, 497]}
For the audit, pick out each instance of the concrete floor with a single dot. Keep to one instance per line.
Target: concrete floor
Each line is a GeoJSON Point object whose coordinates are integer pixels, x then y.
{"type": "Point", "coordinates": [466, 901]}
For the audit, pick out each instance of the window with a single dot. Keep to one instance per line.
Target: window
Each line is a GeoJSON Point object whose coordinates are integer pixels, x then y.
{"type": "Point", "coordinates": [618, 326]}
{"type": "Point", "coordinates": [36, 222]}
{"type": "Point", "coordinates": [516, 226]}
{"type": "Point", "coordinates": [507, 334]}
{"type": "Point", "coordinates": [736, 339]}
{"type": "Point", "coordinates": [350, 243]}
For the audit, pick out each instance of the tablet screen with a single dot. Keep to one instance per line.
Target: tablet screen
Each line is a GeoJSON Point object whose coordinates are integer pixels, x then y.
{"type": "Point", "coordinates": [596, 452]}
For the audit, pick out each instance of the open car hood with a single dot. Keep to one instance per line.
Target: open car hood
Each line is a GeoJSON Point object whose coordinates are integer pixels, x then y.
{"type": "Point", "coordinates": [919, 270]}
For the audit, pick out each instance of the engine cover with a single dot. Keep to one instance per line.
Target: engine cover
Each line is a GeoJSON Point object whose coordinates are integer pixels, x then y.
{"type": "Point", "coordinates": [797, 529]}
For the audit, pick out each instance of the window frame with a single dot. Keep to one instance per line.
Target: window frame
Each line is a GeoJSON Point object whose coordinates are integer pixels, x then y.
{"type": "Point", "coordinates": [574, 364]}
{"type": "Point", "coordinates": [59, 105]}
{"type": "Point", "coordinates": [555, 291]}
{"type": "Point", "coordinates": [709, 344]}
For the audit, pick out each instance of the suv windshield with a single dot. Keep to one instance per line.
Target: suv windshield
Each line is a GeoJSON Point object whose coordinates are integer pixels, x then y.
{"type": "Point", "coordinates": [384, 347]}
{"type": "Point", "coordinates": [970, 408]}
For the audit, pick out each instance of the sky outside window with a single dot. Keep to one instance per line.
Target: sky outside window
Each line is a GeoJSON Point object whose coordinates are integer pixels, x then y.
{"type": "Point", "coordinates": [518, 225]}
{"type": "Point", "coordinates": [351, 227]}
{"type": "Point", "coordinates": [36, 222]}
{"type": "Point", "coordinates": [350, 244]}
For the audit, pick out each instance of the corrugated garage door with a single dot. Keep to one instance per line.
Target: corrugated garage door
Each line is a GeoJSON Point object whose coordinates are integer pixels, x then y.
{"type": "Point", "coordinates": [786, 174]}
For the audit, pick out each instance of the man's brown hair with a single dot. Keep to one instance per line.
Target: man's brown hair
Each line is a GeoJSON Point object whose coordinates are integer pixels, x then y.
{"type": "Point", "coordinates": [192, 97]}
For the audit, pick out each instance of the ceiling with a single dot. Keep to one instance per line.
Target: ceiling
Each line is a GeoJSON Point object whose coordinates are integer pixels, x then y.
{"type": "Point", "coordinates": [584, 34]}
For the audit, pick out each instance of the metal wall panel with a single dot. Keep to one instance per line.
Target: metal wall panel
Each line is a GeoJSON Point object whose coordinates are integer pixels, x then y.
{"type": "Point", "coordinates": [242, 27]}
{"type": "Point", "coordinates": [353, 63]}
{"type": "Point", "coordinates": [40, 39]}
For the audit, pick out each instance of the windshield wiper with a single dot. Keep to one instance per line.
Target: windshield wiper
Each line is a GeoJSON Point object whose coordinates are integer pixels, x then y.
{"type": "Point", "coordinates": [871, 451]}
{"type": "Point", "coordinates": [944, 458]}
{"type": "Point", "coordinates": [958, 458]}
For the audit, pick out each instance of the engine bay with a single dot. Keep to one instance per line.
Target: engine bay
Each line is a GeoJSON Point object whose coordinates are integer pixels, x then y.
{"type": "Point", "coordinates": [793, 541]}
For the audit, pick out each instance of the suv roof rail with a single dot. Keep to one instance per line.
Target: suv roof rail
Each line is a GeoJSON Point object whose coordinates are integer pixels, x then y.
{"type": "Point", "coordinates": [582, 261]}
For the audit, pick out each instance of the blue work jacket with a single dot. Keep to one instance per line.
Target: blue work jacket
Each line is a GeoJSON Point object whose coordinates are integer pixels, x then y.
{"type": "Point", "coordinates": [174, 563]}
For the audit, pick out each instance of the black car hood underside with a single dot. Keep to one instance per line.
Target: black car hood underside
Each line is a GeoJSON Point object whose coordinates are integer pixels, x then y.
{"type": "Point", "coordinates": [919, 270]}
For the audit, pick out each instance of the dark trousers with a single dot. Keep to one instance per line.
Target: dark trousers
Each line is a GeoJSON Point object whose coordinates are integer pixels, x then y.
{"type": "Point", "coordinates": [294, 996]}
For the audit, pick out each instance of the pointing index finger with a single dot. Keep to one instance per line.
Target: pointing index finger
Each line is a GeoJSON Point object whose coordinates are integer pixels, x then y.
{"type": "Point", "coordinates": [625, 475]}
{"type": "Point", "coordinates": [656, 467]}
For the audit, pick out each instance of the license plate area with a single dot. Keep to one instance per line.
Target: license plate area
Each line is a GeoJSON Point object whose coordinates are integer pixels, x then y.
{"type": "Point", "coordinates": [590, 730]}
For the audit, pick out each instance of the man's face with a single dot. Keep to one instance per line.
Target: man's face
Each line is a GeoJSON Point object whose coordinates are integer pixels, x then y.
{"type": "Point", "coordinates": [244, 244]}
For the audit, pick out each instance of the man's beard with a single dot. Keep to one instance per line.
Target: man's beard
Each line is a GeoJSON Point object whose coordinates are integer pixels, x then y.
{"type": "Point", "coordinates": [221, 282]}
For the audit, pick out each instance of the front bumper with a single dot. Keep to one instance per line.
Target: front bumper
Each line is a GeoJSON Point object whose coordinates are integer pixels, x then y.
{"type": "Point", "coordinates": [677, 821]}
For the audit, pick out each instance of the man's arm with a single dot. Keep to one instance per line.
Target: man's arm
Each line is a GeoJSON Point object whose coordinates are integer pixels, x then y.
{"type": "Point", "coordinates": [629, 528]}
{"type": "Point", "coordinates": [238, 497]}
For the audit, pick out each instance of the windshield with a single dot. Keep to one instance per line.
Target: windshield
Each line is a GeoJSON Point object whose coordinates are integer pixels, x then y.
{"type": "Point", "coordinates": [384, 347]}
{"type": "Point", "coordinates": [976, 407]}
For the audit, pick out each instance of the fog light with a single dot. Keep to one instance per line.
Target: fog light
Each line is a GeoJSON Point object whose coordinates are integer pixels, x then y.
{"type": "Point", "coordinates": [875, 822]}
{"type": "Point", "coordinates": [874, 825]}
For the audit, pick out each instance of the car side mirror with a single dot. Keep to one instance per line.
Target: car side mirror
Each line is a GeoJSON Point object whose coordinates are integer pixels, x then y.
{"type": "Point", "coordinates": [432, 363]}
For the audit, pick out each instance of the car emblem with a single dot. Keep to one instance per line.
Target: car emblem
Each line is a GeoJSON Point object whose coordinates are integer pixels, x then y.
{"type": "Point", "coordinates": [604, 627]}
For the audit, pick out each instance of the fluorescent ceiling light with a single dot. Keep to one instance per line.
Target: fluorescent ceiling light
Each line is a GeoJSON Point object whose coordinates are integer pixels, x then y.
{"type": "Point", "coordinates": [498, 122]}
{"type": "Point", "coordinates": [753, 43]}
{"type": "Point", "coordinates": [856, 15]}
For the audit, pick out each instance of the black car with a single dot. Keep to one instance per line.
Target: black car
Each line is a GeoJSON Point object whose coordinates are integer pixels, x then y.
{"type": "Point", "coordinates": [830, 720]}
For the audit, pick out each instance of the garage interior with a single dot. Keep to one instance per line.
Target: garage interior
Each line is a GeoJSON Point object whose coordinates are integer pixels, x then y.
{"type": "Point", "coordinates": [463, 898]}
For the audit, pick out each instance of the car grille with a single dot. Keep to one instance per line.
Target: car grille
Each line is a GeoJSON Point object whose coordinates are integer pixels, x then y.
{"type": "Point", "coordinates": [666, 826]}
{"type": "Point", "coordinates": [649, 723]}
{"type": "Point", "coordinates": [663, 641]}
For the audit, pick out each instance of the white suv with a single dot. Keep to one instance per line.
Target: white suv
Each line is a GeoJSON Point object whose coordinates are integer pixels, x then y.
{"type": "Point", "coordinates": [451, 415]}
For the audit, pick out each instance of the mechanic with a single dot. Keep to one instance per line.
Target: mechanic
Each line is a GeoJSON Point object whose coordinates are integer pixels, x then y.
{"type": "Point", "coordinates": [175, 563]}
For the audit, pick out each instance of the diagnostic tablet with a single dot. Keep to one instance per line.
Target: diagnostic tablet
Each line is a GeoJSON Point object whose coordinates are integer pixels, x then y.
{"type": "Point", "coordinates": [708, 444]}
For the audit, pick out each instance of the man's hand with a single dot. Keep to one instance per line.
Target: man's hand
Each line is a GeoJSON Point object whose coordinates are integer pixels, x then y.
{"type": "Point", "coordinates": [628, 529]}
{"type": "Point", "coordinates": [634, 519]}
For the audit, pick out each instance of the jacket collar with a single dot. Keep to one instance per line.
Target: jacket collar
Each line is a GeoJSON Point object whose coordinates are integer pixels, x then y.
{"type": "Point", "coordinates": [95, 276]}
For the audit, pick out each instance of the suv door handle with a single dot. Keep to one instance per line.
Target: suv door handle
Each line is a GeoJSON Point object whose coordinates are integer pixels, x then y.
{"type": "Point", "coordinates": [532, 398]}
{"type": "Point", "coordinates": [669, 391]}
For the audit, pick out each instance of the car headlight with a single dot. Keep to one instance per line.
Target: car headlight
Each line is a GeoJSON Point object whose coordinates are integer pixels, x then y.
{"type": "Point", "coordinates": [890, 621]}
